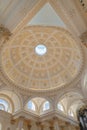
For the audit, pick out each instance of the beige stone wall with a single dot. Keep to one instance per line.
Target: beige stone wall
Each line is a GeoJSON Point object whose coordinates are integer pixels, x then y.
{"type": "Point", "coordinates": [5, 120]}
{"type": "Point", "coordinates": [21, 123]}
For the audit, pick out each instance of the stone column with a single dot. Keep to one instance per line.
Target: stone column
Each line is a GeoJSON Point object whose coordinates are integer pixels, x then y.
{"type": "Point", "coordinates": [56, 123]}
{"type": "Point", "coordinates": [27, 124]}
{"type": "Point", "coordinates": [38, 125]}
{"type": "Point", "coordinates": [13, 121]}
{"type": "Point", "coordinates": [51, 124]}
{"type": "Point", "coordinates": [20, 123]}
{"type": "Point", "coordinates": [29, 127]}
{"type": "Point", "coordinates": [62, 125]}
{"type": "Point", "coordinates": [68, 126]}
{"type": "Point", "coordinates": [42, 126]}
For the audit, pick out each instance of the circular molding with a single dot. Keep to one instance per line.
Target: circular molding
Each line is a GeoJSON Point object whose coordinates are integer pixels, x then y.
{"type": "Point", "coordinates": [56, 68]}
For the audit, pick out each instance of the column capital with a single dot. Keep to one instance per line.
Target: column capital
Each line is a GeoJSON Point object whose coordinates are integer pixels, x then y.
{"type": "Point", "coordinates": [28, 123]}
{"type": "Point", "coordinates": [55, 118]}
{"type": "Point", "coordinates": [67, 123]}
{"type": "Point", "coordinates": [13, 121]}
{"type": "Point", "coordinates": [51, 124]}
{"type": "Point", "coordinates": [29, 126]}
{"type": "Point", "coordinates": [21, 118]}
{"type": "Point", "coordinates": [38, 123]}
{"type": "Point", "coordinates": [20, 122]}
{"type": "Point", "coordinates": [42, 126]}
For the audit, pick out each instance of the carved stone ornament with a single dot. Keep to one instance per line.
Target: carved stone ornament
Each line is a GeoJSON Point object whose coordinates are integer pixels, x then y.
{"type": "Point", "coordinates": [13, 121]}
{"type": "Point", "coordinates": [4, 34]}
{"type": "Point", "coordinates": [82, 110]}
{"type": "Point", "coordinates": [84, 5]}
{"type": "Point", "coordinates": [83, 38]}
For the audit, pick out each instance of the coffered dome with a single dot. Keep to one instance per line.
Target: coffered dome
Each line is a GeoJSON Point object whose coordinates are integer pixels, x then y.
{"type": "Point", "coordinates": [42, 58]}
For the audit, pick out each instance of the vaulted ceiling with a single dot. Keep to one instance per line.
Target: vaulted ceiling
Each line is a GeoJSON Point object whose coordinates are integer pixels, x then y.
{"type": "Point", "coordinates": [58, 25]}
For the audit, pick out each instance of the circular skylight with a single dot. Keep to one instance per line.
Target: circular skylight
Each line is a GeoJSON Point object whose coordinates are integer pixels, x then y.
{"type": "Point", "coordinates": [40, 49]}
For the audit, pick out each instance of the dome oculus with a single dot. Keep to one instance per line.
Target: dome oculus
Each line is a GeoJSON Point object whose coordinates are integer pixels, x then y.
{"type": "Point", "coordinates": [40, 49]}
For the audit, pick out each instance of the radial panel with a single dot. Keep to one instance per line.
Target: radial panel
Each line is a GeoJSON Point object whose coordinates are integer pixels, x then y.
{"type": "Point", "coordinates": [56, 67]}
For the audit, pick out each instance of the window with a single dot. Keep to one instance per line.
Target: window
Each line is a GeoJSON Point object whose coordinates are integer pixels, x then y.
{"type": "Point", "coordinates": [70, 112]}
{"type": "Point", "coordinates": [46, 106]}
{"type": "Point", "coordinates": [4, 105]}
{"type": "Point", "coordinates": [31, 106]}
{"type": "Point", "coordinates": [60, 107]}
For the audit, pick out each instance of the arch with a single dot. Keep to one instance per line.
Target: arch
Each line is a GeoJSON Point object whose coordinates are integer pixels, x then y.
{"type": "Point", "coordinates": [75, 106]}
{"type": "Point", "coordinates": [60, 107]}
{"type": "Point", "coordinates": [10, 96]}
{"type": "Point", "coordinates": [33, 97]}
{"type": "Point", "coordinates": [4, 105]}
{"type": "Point", "coordinates": [70, 100]}
{"type": "Point", "coordinates": [70, 113]}
{"type": "Point", "coordinates": [38, 102]}
{"type": "Point", "coordinates": [46, 105]}
{"type": "Point", "coordinates": [31, 105]}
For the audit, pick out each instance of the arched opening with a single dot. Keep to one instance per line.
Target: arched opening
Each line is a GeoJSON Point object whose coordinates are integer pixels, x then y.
{"type": "Point", "coordinates": [60, 107]}
{"type": "Point", "coordinates": [70, 113]}
{"type": "Point", "coordinates": [31, 105]}
{"type": "Point", "coordinates": [4, 105]}
{"type": "Point", "coordinates": [46, 106]}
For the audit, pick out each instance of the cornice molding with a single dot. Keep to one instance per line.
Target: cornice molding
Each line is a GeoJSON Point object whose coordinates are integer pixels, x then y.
{"type": "Point", "coordinates": [45, 117]}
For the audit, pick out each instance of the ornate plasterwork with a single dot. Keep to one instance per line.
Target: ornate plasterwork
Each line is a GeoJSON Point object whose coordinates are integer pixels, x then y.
{"type": "Point", "coordinates": [4, 34]}
{"type": "Point", "coordinates": [28, 71]}
{"type": "Point", "coordinates": [82, 110]}
{"type": "Point", "coordinates": [83, 38]}
{"type": "Point", "coordinates": [84, 4]}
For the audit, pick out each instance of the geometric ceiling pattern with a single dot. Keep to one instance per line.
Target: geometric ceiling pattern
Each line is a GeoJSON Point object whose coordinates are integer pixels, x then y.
{"type": "Point", "coordinates": [56, 67]}
{"type": "Point", "coordinates": [43, 57]}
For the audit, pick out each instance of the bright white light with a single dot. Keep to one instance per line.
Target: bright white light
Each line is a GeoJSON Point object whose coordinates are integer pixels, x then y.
{"type": "Point", "coordinates": [40, 49]}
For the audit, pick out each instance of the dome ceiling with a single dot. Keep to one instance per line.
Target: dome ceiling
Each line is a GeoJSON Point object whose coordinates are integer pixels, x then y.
{"type": "Point", "coordinates": [41, 58]}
